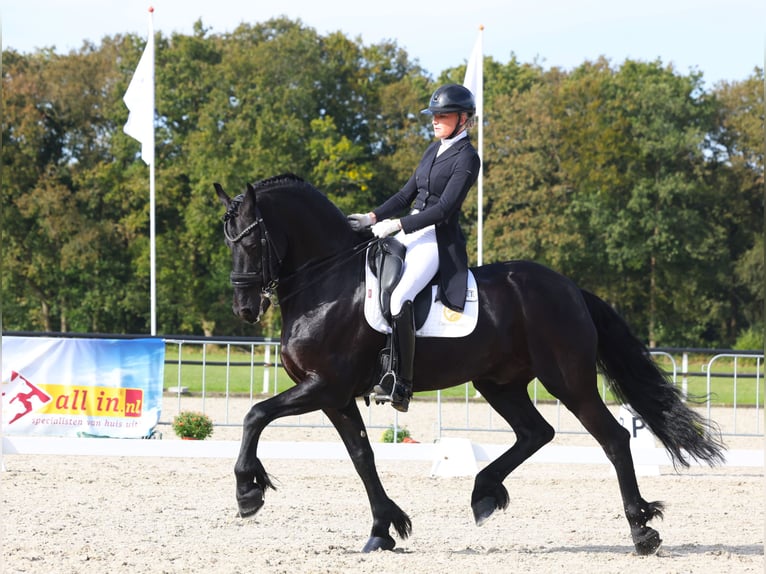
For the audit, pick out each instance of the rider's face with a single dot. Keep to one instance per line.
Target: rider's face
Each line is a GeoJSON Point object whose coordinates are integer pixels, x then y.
{"type": "Point", "coordinates": [444, 124]}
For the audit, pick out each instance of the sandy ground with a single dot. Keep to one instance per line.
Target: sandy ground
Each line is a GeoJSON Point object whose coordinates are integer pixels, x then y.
{"type": "Point", "coordinates": [80, 514]}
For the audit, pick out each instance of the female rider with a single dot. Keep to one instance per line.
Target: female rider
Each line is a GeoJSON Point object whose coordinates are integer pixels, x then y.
{"type": "Point", "coordinates": [430, 230]}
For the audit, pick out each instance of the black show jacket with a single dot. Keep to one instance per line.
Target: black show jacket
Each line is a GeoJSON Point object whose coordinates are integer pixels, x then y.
{"type": "Point", "coordinates": [437, 189]}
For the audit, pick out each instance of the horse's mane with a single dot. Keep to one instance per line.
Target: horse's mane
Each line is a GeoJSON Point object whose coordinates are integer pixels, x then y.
{"type": "Point", "coordinates": [280, 180]}
{"type": "Point", "coordinates": [273, 186]}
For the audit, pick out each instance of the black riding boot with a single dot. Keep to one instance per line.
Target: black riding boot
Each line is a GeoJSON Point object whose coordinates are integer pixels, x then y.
{"type": "Point", "coordinates": [396, 384]}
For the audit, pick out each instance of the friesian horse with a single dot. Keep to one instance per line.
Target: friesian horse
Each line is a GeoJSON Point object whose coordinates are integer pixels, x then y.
{"type": "Point", "coordinates": [287, 239]}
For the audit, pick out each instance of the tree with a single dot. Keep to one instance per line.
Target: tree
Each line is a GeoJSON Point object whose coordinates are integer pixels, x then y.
{"type": "Point", "coordinates": [631, 179]}
{"type": "Point", "coordinates": [601, 173]}
{"type": "Point", "coordinates": [263, 100]}
{"type": "Point", "coordinates": [528, 195]}
{"type": "Point", "coordinates": [64, 236]}
{"type": "Point", "coordinates": [635, 141]}
{"type": "Point", "coordinates": [738, 175]}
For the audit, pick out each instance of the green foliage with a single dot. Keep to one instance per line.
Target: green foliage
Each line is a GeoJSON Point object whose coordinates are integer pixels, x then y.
{"type": "Point", "coordinates": [751, 340]}
{"type": "Point", "coordinates": [632, 179]}
{"type": "Point", "coordinates": [339, 167]}
{"type": "Point", "coordinates": [66, 237]}
{"type": "Point", "coordinates": [610, 176]}
{"type": "Point", "coordinates": [399, 436]}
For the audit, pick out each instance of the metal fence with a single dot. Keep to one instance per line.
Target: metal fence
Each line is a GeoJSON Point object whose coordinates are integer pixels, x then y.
{"type": "Point", "coordinates": [246, 371]}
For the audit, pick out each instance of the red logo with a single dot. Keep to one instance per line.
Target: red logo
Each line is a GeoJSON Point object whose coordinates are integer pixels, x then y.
{"type": "Point", "coordinates": [25, 396]}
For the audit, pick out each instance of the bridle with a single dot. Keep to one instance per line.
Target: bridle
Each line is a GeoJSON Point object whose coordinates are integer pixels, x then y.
{"type": "Point", "coordinates": [268, 276]}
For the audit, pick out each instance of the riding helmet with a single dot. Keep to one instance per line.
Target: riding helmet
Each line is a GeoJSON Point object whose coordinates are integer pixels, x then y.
{"type": "Point", "coordinates": [451, 98]}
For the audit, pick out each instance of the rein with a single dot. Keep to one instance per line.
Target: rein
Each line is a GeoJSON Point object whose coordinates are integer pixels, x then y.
{"type": "Point", "coordinates": [269, 274]}
{"type": "Point", "coordinates": [334, 261]}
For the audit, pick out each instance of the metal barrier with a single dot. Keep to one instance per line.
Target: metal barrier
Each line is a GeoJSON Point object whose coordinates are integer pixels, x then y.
{"type": "Point", "coordinates": [564, 422]}
{"type": "Point", "coordinates": [737, 380]}
{"type": "Point", "coordinates": [484, 421]}
{"type": "Point", "coordinates": [745, 386]}
{"type": "Point", "coordinates": [269, 348]}
{"type": "Point", "coordinates": [184, 399]}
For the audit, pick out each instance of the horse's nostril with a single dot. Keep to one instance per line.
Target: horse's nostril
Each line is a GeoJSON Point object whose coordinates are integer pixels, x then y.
{"type": "Point", "coordinates": [247, 314]}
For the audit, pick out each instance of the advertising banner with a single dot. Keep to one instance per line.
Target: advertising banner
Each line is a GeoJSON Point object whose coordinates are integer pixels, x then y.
{"type": "Point", "coordinates": [82, 387]}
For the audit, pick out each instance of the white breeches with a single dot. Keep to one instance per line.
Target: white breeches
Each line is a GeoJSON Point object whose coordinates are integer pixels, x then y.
{"type": "Point", "coordinates": [420, 265]}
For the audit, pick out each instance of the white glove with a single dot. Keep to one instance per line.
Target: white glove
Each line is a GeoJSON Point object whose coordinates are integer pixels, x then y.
{"type": "Point", "coordinates": [386, 227]}
{"type": "Point", "coordinates": [359, 221]}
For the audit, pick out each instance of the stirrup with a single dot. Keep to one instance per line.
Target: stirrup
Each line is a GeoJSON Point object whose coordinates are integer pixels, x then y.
{"type": "Point", "coordinates": [384, 390]}
{"type": "Point", "coordinates": [398, 393]}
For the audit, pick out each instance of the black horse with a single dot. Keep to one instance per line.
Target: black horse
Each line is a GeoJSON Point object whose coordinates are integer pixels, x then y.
{"type": "Point", "coordinates": [286, 237]}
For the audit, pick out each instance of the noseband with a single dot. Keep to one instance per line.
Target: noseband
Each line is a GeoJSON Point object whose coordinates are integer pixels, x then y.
{"type": "Point", "coordinates": [268, 276]}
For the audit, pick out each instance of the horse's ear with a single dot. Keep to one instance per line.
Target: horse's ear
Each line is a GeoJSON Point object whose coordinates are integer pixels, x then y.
{"type": "Point", "coordinates": [225, 199]}
{"type": "Point", "coordinates": [248, 201]}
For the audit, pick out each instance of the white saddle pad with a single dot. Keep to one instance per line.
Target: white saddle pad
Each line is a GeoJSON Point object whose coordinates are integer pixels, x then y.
{"type": "Point", "coordinates": [441, 322]}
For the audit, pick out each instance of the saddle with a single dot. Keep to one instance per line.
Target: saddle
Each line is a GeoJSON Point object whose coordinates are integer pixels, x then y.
{"type": "Point", "coordinates": [386, 262]}
{"type": "Point", "coordinates": [382, 271]}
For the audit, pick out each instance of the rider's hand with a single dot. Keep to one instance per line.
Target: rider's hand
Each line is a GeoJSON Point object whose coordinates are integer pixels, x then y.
{"type": "Point", "coordinates": [359, 221]}
{"type": "Point", "coordinates": [386, 227]}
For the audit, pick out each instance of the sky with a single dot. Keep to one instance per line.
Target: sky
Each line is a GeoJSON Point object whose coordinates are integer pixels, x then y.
{"type": "Point", "coordinates": [723, 39]}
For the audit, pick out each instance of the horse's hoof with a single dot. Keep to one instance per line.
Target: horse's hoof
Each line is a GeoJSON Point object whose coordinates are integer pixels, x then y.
{"type": "Point", "coordinates": [647, 542]}
{"type": "Point", "coordinates": [483, 509]}
{"type": "Point", "coordinates": [250, 502]}
{"type": "Point", "coordinates": [379, 543]}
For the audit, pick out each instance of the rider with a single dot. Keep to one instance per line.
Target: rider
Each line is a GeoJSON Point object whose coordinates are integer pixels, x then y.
{"type": "Point", "coordinates": [430, 230]}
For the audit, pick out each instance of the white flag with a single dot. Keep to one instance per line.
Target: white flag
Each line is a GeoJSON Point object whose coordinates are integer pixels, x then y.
{"type": "Point", "coordinates": [474, 75]}
{"type": "Point", "coordinates": [139, 98]}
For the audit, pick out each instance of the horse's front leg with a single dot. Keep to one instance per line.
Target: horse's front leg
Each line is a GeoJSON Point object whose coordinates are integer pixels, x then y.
{"type": "Point", "coordinates": [251, 476]}
{"type": "Point", "coordinates": [385, 512]}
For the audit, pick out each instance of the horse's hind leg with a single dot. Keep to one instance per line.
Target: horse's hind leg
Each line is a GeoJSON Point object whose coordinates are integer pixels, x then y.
{"type": "Point", "coordinates": [385, 513]}
{"type": "Point", "coordinates": [568, 372]}
{"type": "Point", "coordinates": [615, 440]}
{"type": "Point", "coordinates": [512, 402]}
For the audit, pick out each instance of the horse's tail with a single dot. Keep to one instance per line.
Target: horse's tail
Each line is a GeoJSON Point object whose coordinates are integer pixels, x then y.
{"type": "Point", "coordinates": [635, 379]}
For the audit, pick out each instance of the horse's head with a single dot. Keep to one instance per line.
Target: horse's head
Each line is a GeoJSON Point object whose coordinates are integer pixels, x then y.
{"type": "Point", "coordinates": [282, 230]}
{"type": "Point", "coordinates": [255, 260]}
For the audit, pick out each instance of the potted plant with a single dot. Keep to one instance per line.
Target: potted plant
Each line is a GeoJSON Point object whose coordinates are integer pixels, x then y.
{"type": "Point", "coordinates": [402, 435]}
{"type": "Point", "coordinates": [191, 425]}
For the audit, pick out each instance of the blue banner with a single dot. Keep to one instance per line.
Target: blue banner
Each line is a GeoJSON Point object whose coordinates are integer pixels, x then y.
{"type": "Point", "coordinates": [82, 387]}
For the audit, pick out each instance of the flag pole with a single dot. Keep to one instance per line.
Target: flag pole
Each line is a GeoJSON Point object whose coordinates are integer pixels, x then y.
{"type": "Point", "coordinates": [152, 253]}
{"type": "Point", "coordinates": [474, 81]}
{"type": "Point", "coordinates": [152, 226]}
{"type": "Point", "coordinates": [139, 99]}
{"type": "Point", "coordinates": [480, 185]}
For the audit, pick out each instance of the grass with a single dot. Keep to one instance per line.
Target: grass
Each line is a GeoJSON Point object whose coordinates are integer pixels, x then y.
{"type": "Point", "coordinates": [209, 370]}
